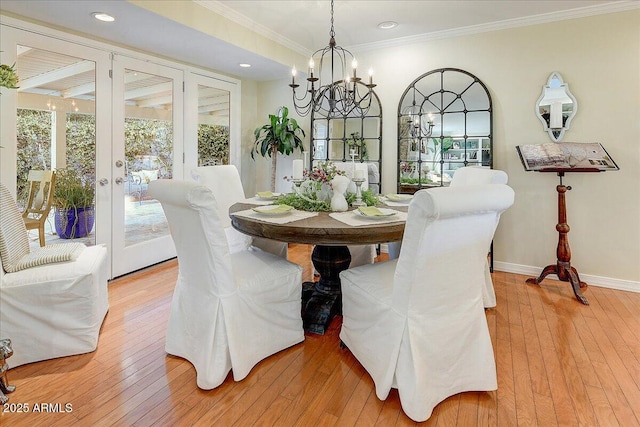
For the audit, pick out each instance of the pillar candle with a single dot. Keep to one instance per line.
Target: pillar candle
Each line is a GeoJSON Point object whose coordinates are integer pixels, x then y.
{"type": "Point", "coordinates": [556, 115]}
{"type": "Point", "coordinates": [297, 169]}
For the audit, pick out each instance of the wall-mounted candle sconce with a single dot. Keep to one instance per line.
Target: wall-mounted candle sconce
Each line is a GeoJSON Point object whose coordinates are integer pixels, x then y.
{"type": "Point", "coordinates": [556, 107]}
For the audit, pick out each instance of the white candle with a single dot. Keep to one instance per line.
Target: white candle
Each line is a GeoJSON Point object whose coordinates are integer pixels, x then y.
{"type": "Point", "coordinates": [359, 174]}
{"type": "Point", "coordinates": [297, 169]}
{"type": "Point", "coordinates": [556, 115]}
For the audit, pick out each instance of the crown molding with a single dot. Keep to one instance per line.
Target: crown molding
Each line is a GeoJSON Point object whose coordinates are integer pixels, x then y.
{"type": "Point", "coordinates": [544, 18]}
{"type": "Point", "coordinates": [228, 13]}
{"type": "Point", "coordinates": [254, 26]}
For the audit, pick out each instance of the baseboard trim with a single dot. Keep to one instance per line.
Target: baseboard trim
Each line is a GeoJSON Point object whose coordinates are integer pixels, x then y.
{"type": "Point", "coordinates": [527, 270]}
{"type": "Point", "coordinates": [600, 281]}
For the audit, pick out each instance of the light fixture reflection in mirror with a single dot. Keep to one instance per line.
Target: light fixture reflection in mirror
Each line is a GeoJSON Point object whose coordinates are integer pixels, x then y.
{"type": "Point", "coordinates": [556, 107]}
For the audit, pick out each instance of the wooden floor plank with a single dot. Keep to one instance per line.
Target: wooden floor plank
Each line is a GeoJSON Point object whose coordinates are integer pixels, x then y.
{"type": "Point", "coordinates": [558, 363]}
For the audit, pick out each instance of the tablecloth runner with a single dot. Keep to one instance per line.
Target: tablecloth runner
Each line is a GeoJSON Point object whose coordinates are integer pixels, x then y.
{"type": "Point", "coordinates": [356, 220]}
{"type": "Point", "coordinates": [294, 215]}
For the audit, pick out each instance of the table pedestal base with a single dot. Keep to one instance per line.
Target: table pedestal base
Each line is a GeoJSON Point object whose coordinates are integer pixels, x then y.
{"type": "Point", "coordinates": [322, 300]}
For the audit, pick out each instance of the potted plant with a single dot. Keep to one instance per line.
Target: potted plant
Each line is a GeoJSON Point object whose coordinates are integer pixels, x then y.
{"type": "Point", "coordinates": [8, 76]}
{"type": "Point", "coordinates": [280, 135]}
{"type": "Point", "coordinates": [73, 199]}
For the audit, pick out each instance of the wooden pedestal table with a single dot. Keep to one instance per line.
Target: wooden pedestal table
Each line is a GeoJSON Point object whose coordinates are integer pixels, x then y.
{"type": "Point", "coordinates": [562, 268]}
{"type": "Point", "coordinates": [321, 300]}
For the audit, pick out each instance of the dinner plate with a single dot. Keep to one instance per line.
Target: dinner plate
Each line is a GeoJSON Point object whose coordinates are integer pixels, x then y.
{"type": "Point", "coordinates": [266, 195]}
{"type": "Point", "coordinates": [383, 213]}
{"type": "Point", "coordinates": [399, 198]}
{"type": "Point", "coordinates": [273, 210]}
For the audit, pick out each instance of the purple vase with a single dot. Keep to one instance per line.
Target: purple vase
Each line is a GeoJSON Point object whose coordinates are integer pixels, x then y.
{"type": "Point", "coordinates": [74, 223]}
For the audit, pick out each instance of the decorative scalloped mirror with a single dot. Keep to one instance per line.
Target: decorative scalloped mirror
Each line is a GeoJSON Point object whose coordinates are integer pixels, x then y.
{"type": "Point", "coordinates": [556, 107]}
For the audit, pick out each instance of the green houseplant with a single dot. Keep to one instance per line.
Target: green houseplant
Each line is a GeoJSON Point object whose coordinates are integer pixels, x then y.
{"type": "Point", "coordinates": [8, 76]}
{"type": "Point", "coordinates": [280, 135]}
{"type": "Point", "coordinates": [73, 199]}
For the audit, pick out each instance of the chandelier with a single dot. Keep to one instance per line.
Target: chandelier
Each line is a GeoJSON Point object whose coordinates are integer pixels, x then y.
{"type": "Point", "coordinates": [331, 91]}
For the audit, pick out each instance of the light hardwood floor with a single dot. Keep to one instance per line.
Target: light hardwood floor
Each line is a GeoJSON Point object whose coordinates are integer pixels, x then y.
{"type": "Point", "coordinates": [559, 363]}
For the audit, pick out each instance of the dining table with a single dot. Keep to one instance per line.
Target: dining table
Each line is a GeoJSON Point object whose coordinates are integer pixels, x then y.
{"type": "Point", "coordinates": [330, 232]}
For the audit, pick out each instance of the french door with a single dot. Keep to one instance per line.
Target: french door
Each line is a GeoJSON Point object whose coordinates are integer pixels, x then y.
{"type": "Point", "coordinates": [58, 118]}
{"type": "Point", "coordinates": [119, 121]}
{"type": "Point", "coordinates": [147, 146]}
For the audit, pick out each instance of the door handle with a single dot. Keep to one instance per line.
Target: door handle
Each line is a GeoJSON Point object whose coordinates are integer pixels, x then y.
{"type": "Point", "coordinates": [119, 180]}
{"type": "Point", "coordinates": [103, 181]}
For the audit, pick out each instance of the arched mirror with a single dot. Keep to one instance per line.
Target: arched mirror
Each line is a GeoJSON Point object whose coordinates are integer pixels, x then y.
{"type": "Point", "coordinates": [345, 140]}
{"type": "Point", "coordinates": [444, 123]}
{"type": "Point", "coordinates": [556, 107]}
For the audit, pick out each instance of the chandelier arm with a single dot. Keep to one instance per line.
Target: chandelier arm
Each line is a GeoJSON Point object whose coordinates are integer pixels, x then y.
{"type": "Point", "coordinates": [329, 93]}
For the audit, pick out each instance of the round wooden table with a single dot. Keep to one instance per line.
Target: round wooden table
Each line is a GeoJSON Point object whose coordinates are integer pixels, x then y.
{"type": "Point", "coordinates": [321, 300]}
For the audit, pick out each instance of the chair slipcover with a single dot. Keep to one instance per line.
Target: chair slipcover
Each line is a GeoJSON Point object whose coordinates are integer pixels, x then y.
{"type": "Point", "coordinates": [226, 186]}
{"type": "Point", "coordinates": [417, 323]}
{"type": "Point", "coordinates": [471, 175]}
{"type": "Point", "coordinates": [229, 310]}
{"type": "Point", "coordinates": [51, 310]}
{"type": "Point", "coordinates": [474, 175]}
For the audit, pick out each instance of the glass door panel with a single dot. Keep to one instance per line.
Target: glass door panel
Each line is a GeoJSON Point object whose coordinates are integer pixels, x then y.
{"type": "Point", "coordinates": [147, 129]}
{"type": "Point", "coordinates": [56, 130]}
{"type": "Point", "coordinates": [213, 126]}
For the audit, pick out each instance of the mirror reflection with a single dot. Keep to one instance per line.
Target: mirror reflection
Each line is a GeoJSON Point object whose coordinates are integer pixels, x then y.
{"type": "Point", "coordinates": [444, 123]}
{"type": "Point", "coordinates": [351, 139]}
{"type": "Point", "coordinates": [556, 107]}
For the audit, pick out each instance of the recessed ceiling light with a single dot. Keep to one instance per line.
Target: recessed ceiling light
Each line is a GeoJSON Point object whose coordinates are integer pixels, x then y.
{"type": "Point", "coordinates": [101, 16]}
{"type": "Point", "coordinates": [243, 65]}
{"type": "Point", "coordinates": [387, 25]}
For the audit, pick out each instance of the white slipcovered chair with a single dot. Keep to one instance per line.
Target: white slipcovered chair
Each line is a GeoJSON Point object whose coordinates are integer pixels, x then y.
{"type": "Point", "coordinates": [474, 175]}
{"type": "Point", "coordinates": [471, 175]}
{"type": "Point", "coordinates": [417, 323]}
{"type": "Point", "coordinates": [226, 186]}
{"type": "Point", "coordinates": [53, 299]}
{"type": "Point", "coordinates": [229, 310]}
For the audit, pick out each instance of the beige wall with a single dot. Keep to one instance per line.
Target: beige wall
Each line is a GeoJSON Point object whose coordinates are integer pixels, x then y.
{"type": "Point", "coordinates": [599, 57]}
{"type": "Point", "coordinates": [271, 96]}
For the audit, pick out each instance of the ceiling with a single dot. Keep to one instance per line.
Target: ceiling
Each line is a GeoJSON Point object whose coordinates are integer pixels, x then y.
{"type": "Point", "coordinates": [301, 25]}
{"type": "Point", "coordinates": [67, 78]}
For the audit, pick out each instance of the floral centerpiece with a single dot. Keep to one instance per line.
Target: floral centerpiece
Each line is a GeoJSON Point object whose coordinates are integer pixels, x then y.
{"type": "Point", "coordinates": [315, 192]}
{"type": "Point", "coordinates": [406, 169]}
{"type": "Point", "coordinates": [317, 182]}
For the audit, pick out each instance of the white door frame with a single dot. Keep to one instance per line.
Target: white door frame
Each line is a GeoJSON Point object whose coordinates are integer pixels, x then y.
{"type": "Point", "coordinates": [133, 257]}
{"type": "Point", "coordinates": [12, 37]}
{"type": "Point", "coordinates": [15, 32]}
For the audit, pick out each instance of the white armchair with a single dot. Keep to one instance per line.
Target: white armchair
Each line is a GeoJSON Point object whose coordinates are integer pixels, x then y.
{"type": "Point", "coordinates": [53, 299]}
{"type": "Point", "coordinates": [417, 323]}
{"type": "Point", "coordinates": [229, 310]}
{"type": "Point", "coordinates": [226, 186]}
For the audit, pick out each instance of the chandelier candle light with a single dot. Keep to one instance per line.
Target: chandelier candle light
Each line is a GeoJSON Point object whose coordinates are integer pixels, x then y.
{"type": "Point", "coordinates": [331, 90]}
